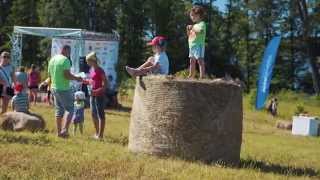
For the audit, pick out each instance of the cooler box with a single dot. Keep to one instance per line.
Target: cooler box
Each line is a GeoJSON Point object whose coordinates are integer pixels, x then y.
{"type": "Point", "coordinates": [305, 126]}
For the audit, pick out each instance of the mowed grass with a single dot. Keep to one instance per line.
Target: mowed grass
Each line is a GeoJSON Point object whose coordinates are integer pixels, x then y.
{"type": "Point", "coordinates": [267, 152]}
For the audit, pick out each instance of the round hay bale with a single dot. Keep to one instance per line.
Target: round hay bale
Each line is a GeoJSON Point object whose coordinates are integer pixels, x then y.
{"type": "Point", "coordinates": [193, 120]}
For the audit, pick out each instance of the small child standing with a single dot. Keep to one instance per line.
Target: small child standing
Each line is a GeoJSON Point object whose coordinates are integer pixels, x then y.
{"type": "Point", "coordinates": [78, 114]}
{"type": "Point", "coordinates": [157, 64]}
{"type": "Point", "coordinates": [20, 101]}
{"type": "Point", "coordinates": [196, 39]}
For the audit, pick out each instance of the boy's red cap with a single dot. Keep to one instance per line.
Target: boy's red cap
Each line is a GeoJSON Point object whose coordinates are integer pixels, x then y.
{"type": "Point", "coordinates": [157, 41]}
{"type": "Point", "coordinates": [18, 87]}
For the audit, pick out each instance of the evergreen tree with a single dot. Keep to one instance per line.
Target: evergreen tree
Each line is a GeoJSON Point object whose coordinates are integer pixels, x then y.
{"type": "Point", "coordinates": [170, 18]}
{"type": "Point", "coordinates": [306, 17]}
{"type": "Point", "coordinates": [5, 6]}
{"type": "Point", "coordinates": [130, 25]}
{"type": "Point", "coordinates": [63, 14]}
{"type": "Point", "coordinates": [23, 13]}
{"type": "Point", "coordinates": [106, 12]}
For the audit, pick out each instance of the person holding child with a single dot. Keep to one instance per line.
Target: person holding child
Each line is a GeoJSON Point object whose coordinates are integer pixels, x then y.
{"type": "Point", "coordinates": [196, 39]}
{"type": "Point", "coordinates": [98, 84]}
{"type": "Point", "coordinates": [157, 64]}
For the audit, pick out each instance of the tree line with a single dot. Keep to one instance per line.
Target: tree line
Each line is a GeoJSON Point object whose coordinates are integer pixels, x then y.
{"type": "Point", "coordinates": [236, 37]}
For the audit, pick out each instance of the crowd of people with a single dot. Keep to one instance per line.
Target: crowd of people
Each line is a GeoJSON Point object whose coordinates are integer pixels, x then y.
{"type": "Point", "coordinates": [21, 88]}
{"type": "Point", "coordinates": [16, 83]}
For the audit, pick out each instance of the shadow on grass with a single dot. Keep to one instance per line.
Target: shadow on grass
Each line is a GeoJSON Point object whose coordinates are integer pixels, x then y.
{"type": "Point", "coordinates": [277, 169]}
{"type": "Point", "coordinates": [118, 114]}
{"type": "Point", "coordinates": [120, 109]}
{"type": "Point", "coordinates": [122, 140]}
{"type": "Point", "coordinates": [123, 109]}
{"type": "Point", "coordinates": [255, 165]}
{"type": "Point", "coordinates": [40, 140]}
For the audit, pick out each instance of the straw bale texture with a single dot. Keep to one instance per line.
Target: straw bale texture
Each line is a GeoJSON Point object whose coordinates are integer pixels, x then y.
{"type": "Point", "coordinates": [193, 120]}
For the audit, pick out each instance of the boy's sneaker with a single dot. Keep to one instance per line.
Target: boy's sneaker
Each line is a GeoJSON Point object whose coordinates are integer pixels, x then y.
{"type": "Point", "coordinates": [130, 71]}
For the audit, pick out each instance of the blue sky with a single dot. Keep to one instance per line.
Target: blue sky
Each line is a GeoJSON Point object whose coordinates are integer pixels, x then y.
{"type": "Point", "coordinates": [220, 4]}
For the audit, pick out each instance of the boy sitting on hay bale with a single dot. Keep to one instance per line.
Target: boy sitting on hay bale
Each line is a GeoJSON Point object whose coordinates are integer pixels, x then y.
{"type": "Point", "coordinates": [157, 64]}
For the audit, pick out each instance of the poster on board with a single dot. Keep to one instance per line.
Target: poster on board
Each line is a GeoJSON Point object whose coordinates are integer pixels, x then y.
{"type": "Point", "coordinates": [107, 53]}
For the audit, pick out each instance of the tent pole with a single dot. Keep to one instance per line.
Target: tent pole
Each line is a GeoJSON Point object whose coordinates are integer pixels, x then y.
{"type": "Point", "coordinates": [16, 49]}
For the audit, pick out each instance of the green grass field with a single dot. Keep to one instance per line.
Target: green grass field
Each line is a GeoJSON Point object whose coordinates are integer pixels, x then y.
{"type": "Point", "coordinates": [267, 152]}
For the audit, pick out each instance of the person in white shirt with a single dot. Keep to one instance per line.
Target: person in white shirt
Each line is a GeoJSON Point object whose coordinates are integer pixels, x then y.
{"type": "Point", "coordinates": [157, 64]}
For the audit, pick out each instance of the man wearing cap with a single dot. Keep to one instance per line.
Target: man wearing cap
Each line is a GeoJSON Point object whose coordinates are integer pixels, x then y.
{"type": "Point", "coordinates": [157, 64]}
{"type": "Point", "coordinates": [59, 77]}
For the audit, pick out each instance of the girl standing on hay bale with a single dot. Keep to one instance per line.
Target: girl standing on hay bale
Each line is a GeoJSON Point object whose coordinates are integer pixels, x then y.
{"type": "Point", "coordinates": [157, 64]}
{"type": "Point", "coordinates": [196, 38]}
{"type": "Point", "coordinates": [98, 83]}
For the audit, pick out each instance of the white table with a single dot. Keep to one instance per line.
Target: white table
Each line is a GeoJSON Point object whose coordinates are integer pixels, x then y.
{"type": "Point", "coordinates": [305, 126]}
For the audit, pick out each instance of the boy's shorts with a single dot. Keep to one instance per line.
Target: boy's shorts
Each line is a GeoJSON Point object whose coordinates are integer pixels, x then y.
{"type": "Point", "coordinates": [197, 52]}
{"type": "Point", "coordinates": [97, 107]}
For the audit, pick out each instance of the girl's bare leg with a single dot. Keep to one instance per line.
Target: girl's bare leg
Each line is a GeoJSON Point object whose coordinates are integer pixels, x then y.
{"type": "Point", "coordinates": [192, 68]}
{"type": "Point", "coordinates": [202, 68]}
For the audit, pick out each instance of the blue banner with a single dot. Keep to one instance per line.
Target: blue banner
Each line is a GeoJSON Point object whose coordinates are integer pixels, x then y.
{"type": "Point", "coordinates": [265, 72]}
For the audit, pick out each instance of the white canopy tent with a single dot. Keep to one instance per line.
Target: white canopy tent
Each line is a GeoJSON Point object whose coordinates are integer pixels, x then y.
{"type": "Point", "coordinates": [77, 35]}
